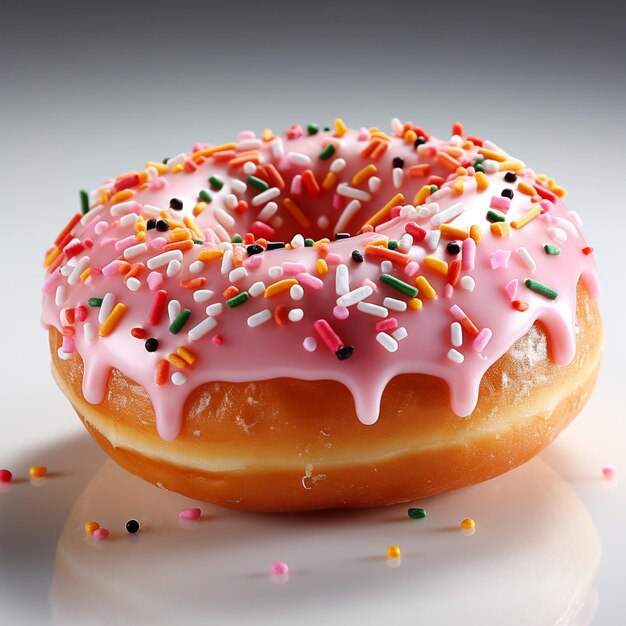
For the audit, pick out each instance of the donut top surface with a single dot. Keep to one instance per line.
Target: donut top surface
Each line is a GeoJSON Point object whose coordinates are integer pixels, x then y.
{"type": "Point", "coordinates": [350, 255]}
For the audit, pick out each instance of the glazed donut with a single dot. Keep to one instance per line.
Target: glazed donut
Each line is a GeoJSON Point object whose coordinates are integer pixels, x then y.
{"type": "Point", "coordinates": [326, 318]}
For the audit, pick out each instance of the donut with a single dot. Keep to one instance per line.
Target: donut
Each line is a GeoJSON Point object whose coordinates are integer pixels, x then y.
{"type": "Point", "coordinates": [324, 318]}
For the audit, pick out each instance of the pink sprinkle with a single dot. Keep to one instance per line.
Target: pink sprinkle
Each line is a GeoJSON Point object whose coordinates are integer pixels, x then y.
{"type": "Point", "coordinates": [546, 205]}
{"type": "Point", "coordinates": [411, 268]}
{"type": "Point", "coordinates": [417, 232]}
{"type": "Point", "coordinates": [609, 471]}
{"type": "Point", "coordinates": [107, 241]}
{"type": "Point", "coordinates": [101, 534]}
{"type": "Point", "coordinates": [511, 289]}
{"type": "Point", "coordinates": [190, 514]}
{"type": "Point", "coordinates": [68, 345]}
{"type": "Point", "coordinates": [279, 568]}
{"type": "Point", "coordinates": [155, 281]}
{"type": "Point", "coordinates": [261, 230]}
{"type": "Point", "coordinates": [457, 313]}
{"type": "Point", "coordinates": [309, 280]}
{"type": "Point", "coordinates": [157, 243]}
{"type": "Point", "coordinates": [217, 340]}
{"type": "Point", "coordinates": [501, 203]}
{"type": "Point", "coordinates": [363, 134]}
{"type": "Point", "coordinates": [80, 315]}
{"type": "Point", "coordinates": [48, 284]}
{"type": "Point", "coordinates": [327, 335]}
{"type": "Point", "coordinates": [448, 290]}
{"type": "Point", "coordinates": [159, 183]}
{"type": "Point", "coordinates": [468, 250]}
{"type": "Point", "coordinates": [546, 194]}
{"type": "Point", "coordinates": [338, 201]}
{"type": "Point", "coordinates": [112, 269]}
{"type": "Point", "coordinates": [309, 343]}
{"type": "Point", "coordinates": [252, 262]}
{"type": "Point", "coordinates": [296, 185]}
{"type": "Point", "coordinates": [389, 324]}
{"type": "Point", "coordinates": [291, 269]}
{"type": "Point", "coordinates": [395, 211]}
{"type": "Point", "coordinates": [246, 134]}
{"type": "Point", "coordinates": [201, 146]}
{"type": "Point", "coordinates": [5, 476]}
{"type": "Point", "coordinates": [333, 259]}
{"type": "Point", "coordinates": [500, 259]}
{"type": "Point", "coordinates": [482, 339]}
{"type": "Point", "coordinates": [295, 131]}
{"type": "Point", "coordinates": [341, 312]}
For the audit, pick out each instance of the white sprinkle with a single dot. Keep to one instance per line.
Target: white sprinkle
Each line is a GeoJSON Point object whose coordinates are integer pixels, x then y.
{"type": "Point", "coordinates": [89, 331]}
{"type": "Point", "coordinates": [256, 289]}
{"type": "Point", "coordinates": [202, 295]}
{"type": "Point", "coordinates": [295, 315]}
{"type": "Point", "coordinates": [108, 302]}
{"type": "Point", "coordinates": [179, 159]}
{"type": "Point", "coordinates": [398, 177]}
{"type": "Point", "coordinates": [394, 304]}
{"type": "Point", "coordinates": [59, 296]}
{"type": "Point", "coordinates": [196, 267]}
{"type": "Point", "coordinates": [343, 189]}
{"type": "Point", "coordinates": [201, 329]}
{"type": "Point", "coordinates": [557, 234]}
{"type": "Point", "coordinates": [408, 211]}
{"type": "Point", "coordinates": [374, 184]}
{"type": "Point", "coordinates": [178, 378]}
{"type": "Point", "coordinates": [64, 356]}
{"type": "Point", "coordinates": [310, 344]}
{"type": "Point", "coordinates": [133, 284]}
{"type": "Point", "coordinates": [101, 227]}
{"type": "Point", "coordinates": [323, 222]}
{"type": "Point", "coordinates": [353, 297]}
{"type": "Point", "coordinates": [237, 274]}
{"type": "Point", "coordinates": [575, 218]}
{"type": "Point", "coordinates": [249, 144]}
{"type": "Point", "coordinates": [400, 333]}
{"type": "Point", "coordinates": [151, 211]}
{"type": "Point", "coordinates": [490, 166]}
{"type": "Point", "coordinates": [117, 210]}
{"type": "Point", "coordinates": [342, 280]}
{"type": "Point", "coordinates": [337, 165]}
{"type": "Point", "coordinates": [259, 318]}
{"type": "Point", "coordinates": [296, 292]}
{"type": "Point", "coordinates": [173, 309]}
{"type": "Point", "coordinates": [566, 225]}
{"type": "Point", "coordinates": [173, 267]}
{"type": "Point", "coordinates": [423, 212]}
{"type": "Point", "coordinates": [80, 267]}
{"type": "Point", "coordinates": [387, 342]}
{"type": "Point", "coordinates": [267, 212]}
{"type": "Point", "coordinates": [163, 259]}
{"type": "Point", "coordinates": [227, 262]}
{"type": "Point", "coordinates": [222, 233]}
{"type": "Point", "coordinates": [276, 271]}
{"type": "Point", "coordinates": [223, 218]}
{"type": "Point", "coordinates": [230, 202]}
{"type": "Point", "coordinates": [136, 250]}
{"type": "Point", "coordinates": [277, 148]}
{"type": "Point", "coordinates": [456, 333]}
{"type": "Point", "coordinates": [527, 258]}
{"type": "Point", "coordinates": [249, 168]}
{"type": "Point", "coordinates": [468, 283]}
{"type": "Point", "coordinates": [372, 309]}
{"type": "Point", "coordinates": [447, 215]}
{"type": "Point", "coordinates": [265, 196]}
{"type": "Point", "coordinates": [214, 309]}
{"type": "Point", "coordinates": [298, 158]}
{"type": "Point", "coordinates": [297, 241]}
{"type": "Point", "coordinates": [386, 266]}
{"type": "Point", "coordinates": [405, 243]}
{"type": "Point", "coordinates": [348, 213]}
{"type": "Point", "coordinates": [238, 186]}
{"type": "Point", "coordinates": [397, 127]}
{"type": "Point", "coordinates": [129, 219]}
{"type": "Point", "coordinates": [456, 356]}
{"type": "Point", "coordinates": [66, 270]}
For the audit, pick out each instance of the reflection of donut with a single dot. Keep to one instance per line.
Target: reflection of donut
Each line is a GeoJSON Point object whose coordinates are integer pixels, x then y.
{"type": "Point", "coordinates": [468, 283]}
{"type": "Point", "coordinates": [519, 567]}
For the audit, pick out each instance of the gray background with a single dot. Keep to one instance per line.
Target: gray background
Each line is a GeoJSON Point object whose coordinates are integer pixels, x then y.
{"type": "Point", "coordinates": [89, 90]}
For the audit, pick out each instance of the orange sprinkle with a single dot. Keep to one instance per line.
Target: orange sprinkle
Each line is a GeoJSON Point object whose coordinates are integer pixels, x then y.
{"type": "Point", "coordinates": [457, 129]}
{"type": "Point", "coordinates": [415, 304]}
{"type": "Point", "coordinates": [162, 371]}
{"type": "Point", "coordinates": [418, 171]}
{"type": "Point", "coordinates": [529, 217]}
{"type": "Point", "coordinates": [177, 361]}
{"type": "Point", "coordinates": [267, 134]}
{"type": "Point", "coordinates": [179, 234]}
{"type": "Point", "coordinates": [421, 195]}
{"type": "Point", "coordinates": [121, 196]}
{"type": "Point", "coordinates": [383, 214]}
{"type": "Point", "coordinates": [68, 228]}
{"type": "Point", "coordinates": [423, 286]}
{"type": "Point", "coordinates": [123, 267]}
{"type": "Point", "coordinates": [492, 154]}
{"type": "Point", "coordinates": [311, 184]}
{"type": "Point", "coordinates": [457, 187]}
{"type": "Point", "coordinates": [524, 187]}
{"type": "Point", "coordinates": [274, 175]}
{"type": "Point", "coordinates": [51, 256]}
{"type": "Point", "coordinates": [159, 167]}
{"type": "Point", "coordinates": [322, 249]}
{"type": "Point", "coordinates": [365, 174]}
{"type": "Point", "coordinates": [230, 292]}
{"type": "Point", "coordinates": [379, 150]}
{"type": "Point", "coordinates": [200, 206]}
{"type": "Point", "coordinates": [447, 161]}
{"type": "Point", "coordinates": [177, 168]}
{"type": "Point", "coordinates": [329, 181]}
{"type": "Point", "coordinates": [469, 326]}
{"type": "Point", "coordinates": [410, 136]}
{"type": "Point", "coordinates": [340, 127]}
{"type": "Point", "coordinates": [183, 246]}
{"type": "Point", "coordinates": [385, 253]}
{"type": "Point", "coordinates": [281, 315]}
{"type": "Point", "coordinates": [186, 354]}
{"type": "Point", "coordinates": [279, 287]}
{"type": "Point", "coordinates": [482, 182]}
{"type": "Point", "coordinates": [207, 152]}
{"type": "Point", "coordinates": [500, 229]}
{"type": "Point", "coordinates": [86, 274]}
{"type": "Point", "coordinates": [373, 145]}
{"type": "Point", "coordinates": [193, 283]}
{"type": "Point", "coordinates": [476, 233]}
{"type": "Point", "coordinates": [452, 232]}
{"type": "Point", "coordinates": [296, 212]}
{"type": "Point", "coordinates": [437, 265]}
{"type": "Point", "coordinates": [243, 158]}
{"type": "Point", "coordinates": [454, 272]}
{"type": "Point", "coordinates": [191, 225]}
{"type": "Point", "coordinates": [135, 270]}
{"type": "Point", "coordinates": [513, 166]}
{"type": "Point", "coordinates": [210, 255]}
{"type": "Point", "coordinates": [109, 324]}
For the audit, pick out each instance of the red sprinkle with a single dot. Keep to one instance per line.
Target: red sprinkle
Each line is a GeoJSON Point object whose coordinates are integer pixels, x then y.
{"type": "Point", "coordinates": [162, 371]}
{"type": "Point", "coordinates": [5, 476]}
{"type": "Point", "coordinates": [217, 340]}
{"type": "Point", "coordinates": [454, 272]}
{"type": "Point", "coordinates": [138, 333]}
{"type": "Point", "coordinates": [518, 305]}
{"type": "Point", "coordinates": [587, 250]}
{"type": "Point", "coordinates": [158, 305]}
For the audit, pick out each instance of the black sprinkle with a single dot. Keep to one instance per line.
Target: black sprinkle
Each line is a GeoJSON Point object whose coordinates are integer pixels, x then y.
{"type": "Point", "coordinates": [357, 256]}
{"type": "Point", "coordinates": [345, 352]}
{"type": "Point", "coordinates": [152, 344]}
{"type": "Point", "coordinates": [254, 248]}
{"type": "Point", "coordinates": [274, 245]}
{"type": "Point", "coordinates": [453, 247]}
{"type": "Point", "coordinates": [132, 526]}
{"type": "Point", "coordinates": [398, 162]}
{"type": "Point", "coordinates": [510, 177]}
{"type": "Point", "coordinates": [419, 141]}
{"type": "Point", "coordinates": [162, 226]}
{"type": "Point", "coordinates": [151, 223]}
{"type": "Point", "coordinates": [342, 236]}
{"type": "Point", "coordinates": [176, 204]}
{"type": "Point", "coordinates": [507, 193]}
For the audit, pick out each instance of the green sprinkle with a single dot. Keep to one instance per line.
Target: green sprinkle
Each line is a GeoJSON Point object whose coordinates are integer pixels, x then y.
{"type": "Point", "coordinates": [94, 302]}
{"type": "Point", "coordinates": [551, 249]}
{"type": "Point", "coordinates": [237, 239]}
{"type": "Point", "coordinates": [479, 168]}
{"type": "Point", "coordinates": [327, 152]}
{"type": "Point", "coordinates": [179, 321]}
{"type": "Point", "coordinates": [400, 285]}
{"type": "Point", "coordinates": [84, 201]}
{"type": "Point", "coordinates": [495, 216]}
{"type": "Point", "coordinates": [312, 129]}
{"type": "Point", "coordinates": [308, 243]}
{"type": "Point", "coordinates": [198, 241]}
{"type": "Point", "coordinates": [326, 128]}
{"type": "Point", "coordinates": [478, 160]}
{"type": "Point", "coordinates": [533, 285]}
{"type": "Point", "coordinates": [216, 183]}
{"type": "Point", "coordinates": [240, 298]}
{"type": "Point", "coordinates": [392, 245]}
{"type": "Point", "coordinates": [417, 513]}
{"type": "Point", "coordinates": [258, 183]}
{"type": "Point", "coordinates": [205, 196]}
{"type": "Point", "coordinates": [433, 188]}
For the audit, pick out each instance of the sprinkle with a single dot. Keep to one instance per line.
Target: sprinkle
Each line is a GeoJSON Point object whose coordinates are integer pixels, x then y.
{"type": "Point", "coordinates": [331, 339]}
{"type": "Point", "coordinates": [482, 339]}
{"type": "Point", "coordinates": [100, 534]}
{"type": "Point", "coordinates": [372, 309]}
{"type": "Point", "coordinates": [259, 318]}
{"type": "Point", "coordinates": [455, 356]}
{"type": "Point", "coordinates": [500, 202]}
{"type": "Point", "coordinates": [500, 229]}
{"type": "Point", "coordinates": [527, 258]}
{"type": "Point", "coordinates": [84, 201]}
{"type": "Point", "coordinates": [259, 183]}
{"type": "Point", "coordinates": [363, 175]}
{"type": "Point", "coordinates": [343, 189]}
{"type": "Point", "coordinates": [162, 371]}
{"type": "Point", "coordinates": [279, 568]}
{"type": "Point", "coordinates": [398, 284]}
{"type": "Point", "coordinates": [201, 329]}
{"type": "Point", "coordinates": [468, 524]}
{"type": "Point", "coordinates": [609, 472]}
{"type": "Point", "coordinates": [447, 215]}
{"type": "Point", "coordinates": [327, 152]}
{"type": "Point", "coordinates": [279, 287]}
{"type": "Point", "coordinates": [459, 315]}
{"type": "Point", "coordinates": [309, 344]}
{"type": "Point", "coordinates": [522, 221]}
{"type": "Point", "coordinates": [394, 304]}
{"type": "Point", "coordinates": [541, 289]}
{"type": "Point", "coordinates": [416, 513]}
{"type": "Point", "coordinates": [384, 253]}
{"type": "Point", "coordinates": [495, 216]}
{"type": "Point", "coordinates": [425, 287]}
{"type": "Point", "coordinates": [132, 526]}
{"type": "Point", "coordinates": [387, 342]}
{"type": "Point", "coordinates": [383, 214]}
{"type": "Point", "coordinates": [353, 297]}
{"type": "Point", "coordinates": [163, 259]}
{"type": "Point", "coordinates": [38, 471]}
{"type": "Point", "coordinates": [511, 288]}
{"type": "Point", "coordinates": [342, 280]}
{"type": "Point", "coordinates": [518, 305]}
{"type": "Point", "coordinates": [393, 552]}
{"type": "Point", "coordinates": [552, 250]}
{"type": "Point", "coordinates": [500, 259]}
{"type": "Point", "coordinates": [216, 183]}
{"type": "Point", "coordinates": [192, 514]}
{"type": "Point", "coordinates": [296, 315]}
{"type": "Point", "coordinates": [95, 302]}
{"type": "Point", "coordinates": [109, 324]}
{"type": "Point", "coordinates": [179, 321]}
{"type": "Point", "coordinates": [456, 334]}
{"type": "Point", "coordinates": [437, 265]}
{"type": "Point", "coordinates": [237, 300]}
{"type": "Point", "coordinates": [91, 527]}
{"type": "Point", "coordinates": [178, 378]}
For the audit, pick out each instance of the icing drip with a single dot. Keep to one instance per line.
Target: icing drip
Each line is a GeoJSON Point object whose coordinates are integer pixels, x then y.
{"type": "Point", "coordinates": [444, 233]}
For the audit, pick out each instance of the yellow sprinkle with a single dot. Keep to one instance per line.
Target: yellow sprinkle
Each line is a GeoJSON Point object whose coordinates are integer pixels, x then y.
{"type": "Point", "coordinates": [267, 134]}
{"type": "Point", "coordinates": [513, 166]}
{"type": "Point", "coordinates": [482, 182]}
{"type": "Point", "coordinates": [112, 321]}
{"type": "Point", "coordinates": [159, 167]}
{"type": "Point", "coordinates": [410, 136]}
{"type": "Point", "coordinates": [104, 196]}
{"type": "Point", "coordinates": [559, 191]}
{"type": "Point", "coordinates": [179, 234]}
{"type": "Point", "coordinates": [319, 242]}
{"type": "Point", "coordinates": [452, 151]}
{"type": "Point", "coordinates": [365, 174]}
{"type": "Point", "coordinates": [141, 236]}
{"type": "Point", "coordinates": [375, 133]}
{"type": "Point", "coordinates": [415, 304]}
{"type": "Point", "coordinates": [177, 361]}
{"type": "Point", "coordinates": [140, 224]}
{"type": "Point", "coordinates": [437, 265]}
{"type": "Point", "coordinates": [143, 177]}
{"type": "Point", "coordinates": [541, 177]}
{"type": "Point", "coordinates": [529, 217]}
{"type": "Point", "coordinates": [378, 242]}
{"type": "Point", "coordinates": [500, 229]}
{"type": "Point", "coordinates": [200, 206]}
{"type": "Point", "coordinates": [468, 523]}
{"type": "Point", "coordinates": [279, 287]}
{"type": "Point", "coordinates": [90, 527]}
{"type": "Point", "coordinates": [86, 274]}
{"type": "Point", "coordinates": [492, 154]}
{"type": "Point", "coordinates": [210, 255]}
{"type": "Point", "coordinates": [461, 171]}
{"type": "Point", "coordinates": [383, 214]}
{"type": "Point", "coordinates": [476, 233]}
{"type": "Point", "coordinates": [425, 287]}
{"type": "Point", "coordinates": [421, 195]}
{"type": "Point", "coordinates": [452, 232]}
{"type": "Point", "coordinates": [340, 127]}
{"type": "Point", "coordinates": [329, 181]}
{"type": "Point", "coordinates": [296, 212]}
{"type": "Point", "coordinates": [191, 225]}
{"type": "Point", "coordinates": [38, 471]}
{"type": "Point", "coordinates": [207, 152]}
{"type": "Point", "coordinates": [121, 196]}
{"type": "Point", "coordinates": [186, 354]}
{"type": "Point", "coordinates": [393, 552]}
{"type": "Point", "coordinates": [51, 256]}
{"type": "Point", "coordinates": [524, 187]}
{"type": "Point", "coordinates": [322, 267]}
{"type": "Point", "coordinates": [457, 187]}
{"type": "Point", "coordinates": [177, 168]}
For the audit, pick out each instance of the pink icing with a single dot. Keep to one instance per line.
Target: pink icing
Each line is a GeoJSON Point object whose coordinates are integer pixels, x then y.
{"type": "Point", "coordinates": [270, 337]}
